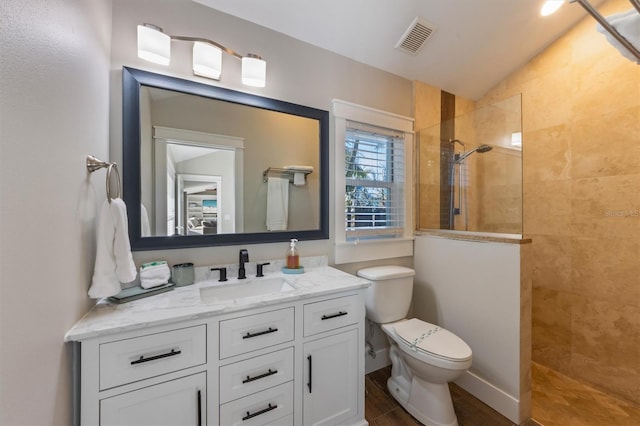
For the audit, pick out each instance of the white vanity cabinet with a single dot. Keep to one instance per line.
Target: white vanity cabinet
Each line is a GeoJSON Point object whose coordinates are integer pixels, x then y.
{"type": "Point", "coordinates": [333, 372]}
{"type": "Point", "coordinates": [286, 362]}
{"type": "Point", "coordinates": [152, 377]}
{"type": "Point", "coordinates": [175, 402]}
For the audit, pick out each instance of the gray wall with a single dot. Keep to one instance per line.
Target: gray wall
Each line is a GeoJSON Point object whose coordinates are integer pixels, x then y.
{"type": "Point", "coordinates": [60, 99]}
{"type": "Point", "coordinates": [296, 72]}
{"type": "Point", "coordinates": [54, 110]}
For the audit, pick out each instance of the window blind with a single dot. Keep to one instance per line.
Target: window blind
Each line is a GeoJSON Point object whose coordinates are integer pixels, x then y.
{"type": "Point", "coordinates": [374, 177]}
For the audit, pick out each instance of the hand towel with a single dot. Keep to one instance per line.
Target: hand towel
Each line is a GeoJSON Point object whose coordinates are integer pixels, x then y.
{"type": "Point", "coordinates": [153, 274]}
{"type": "Point", "coordinates": [114, 263]}
{"type": "Point", "coordinates": [628, 25]}
{"type": "Point", "coordinates": [145, 229]}
{"type": "Point", "coordinates": [277, 204]}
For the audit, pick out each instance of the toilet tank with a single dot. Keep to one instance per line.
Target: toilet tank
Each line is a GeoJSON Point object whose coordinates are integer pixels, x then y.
{"type": "Point", "coordinates": [389, 297]}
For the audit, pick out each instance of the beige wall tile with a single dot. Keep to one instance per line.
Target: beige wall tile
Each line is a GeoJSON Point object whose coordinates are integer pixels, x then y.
{"type": "Point", "coordinates": [426, 105]}
{"type": "Point", "coordinates": [607, 269]}
{"type": "Point", "coordinates": [604, 345]}
{"type": "Point", "coordinates": [606, 207]}
{"type": "Point", "coordinates": [607, 146]}
{"type": "Point", "coordinates": [552, 262]}
{"type": "Point", "coordinates": [547, 208]}
{"type": "Point", "coordinates": [551, 337]}
{"type": "Point", "coordinates": [547, 154]}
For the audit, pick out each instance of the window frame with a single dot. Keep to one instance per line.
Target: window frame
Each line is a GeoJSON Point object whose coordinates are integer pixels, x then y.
{"type": "Point", "coordinates": [372, 248]}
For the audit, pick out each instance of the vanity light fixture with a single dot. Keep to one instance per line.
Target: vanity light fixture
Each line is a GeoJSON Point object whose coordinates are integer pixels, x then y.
{"type": "Point", "coordinates": [551, 6]}
{"type": "Point", "coordinates": [155, 46]}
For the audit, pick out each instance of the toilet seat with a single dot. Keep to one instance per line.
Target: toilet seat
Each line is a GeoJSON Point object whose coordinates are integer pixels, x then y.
{"type": "Point", "coordinates": [430, 343]}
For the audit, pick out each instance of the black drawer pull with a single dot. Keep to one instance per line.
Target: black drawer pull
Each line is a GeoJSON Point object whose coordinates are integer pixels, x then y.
{"type": "Point", "coordinates": [257, 413]}
{"type": "Point", "coordinates": [152, 358]}
{"type": "Point", "coordinates": [199, 408]}
{"type": "Point", "coordinates": [309, 383]}
{"type": "Point", "coordinates": [260, 333]}
{"type": "Point", "coordinates": [261, 376]}
{"type": "Point", "coordinates": [339, 314]}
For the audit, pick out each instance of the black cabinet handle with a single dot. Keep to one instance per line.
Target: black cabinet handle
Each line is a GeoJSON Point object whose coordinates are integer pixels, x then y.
{"type": "Point", "coordinates": [257, 413]}
{"type": "Point", "coordinates": [339, 314]}
{"type": "Point", "coordinates": [152, 358]}
{"type": "Point", "coordinates": [310, 373]}
{"type": "Point", "coordinates": [199, 408]}
{"type": "Point", "coordinates": [260, 333]}
{"type": "Point", "coordinates": [261, 376]}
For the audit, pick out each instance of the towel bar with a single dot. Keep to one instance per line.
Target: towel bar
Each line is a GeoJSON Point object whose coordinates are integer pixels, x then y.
{"type": "Point", "coordinates": [607, 26]}
{"type": "Point", "coordinates": [94, 164]}
{"type": "Point", "coordinates": [287, 173]}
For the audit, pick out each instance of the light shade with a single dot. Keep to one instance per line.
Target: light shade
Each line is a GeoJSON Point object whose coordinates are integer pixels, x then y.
{"type": "Point", "coordinates": [254, 71]}
{"type": "Point", "coordinates": [154, 45]}
{"type": "Point", "coordinates": [207, 60]}
{"type": "Point", "coordinates": [550, 6]}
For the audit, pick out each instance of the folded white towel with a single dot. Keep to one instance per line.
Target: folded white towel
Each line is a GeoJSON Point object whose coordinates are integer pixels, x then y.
{"type": "Point", "coordinates": [114, 263]}
{"type": "Point", "coordinates": [277, 204]}
{"type": "Point", "coordinates": [300, 168]}
{"type": "Point", "coordinates": [298, 179]}
{"type": "Point", "coordinates": [154, 274]}
{"type": "Point", "coordinates": [628, 25]}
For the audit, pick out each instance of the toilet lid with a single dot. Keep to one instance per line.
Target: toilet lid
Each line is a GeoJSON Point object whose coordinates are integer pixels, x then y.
{"type": "Point", "coordinates": [422, 336]}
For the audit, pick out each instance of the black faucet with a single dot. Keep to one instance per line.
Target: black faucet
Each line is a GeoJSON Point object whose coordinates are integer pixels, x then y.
{"type": "Point", "coordinates": [259, 271]}
{"type": "Point", "coordinates": [223, 273]}
{"type": "Point", "coordinates": [244, 257]}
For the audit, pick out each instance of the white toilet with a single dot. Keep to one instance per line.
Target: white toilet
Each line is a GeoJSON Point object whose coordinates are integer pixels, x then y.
{"type": "Point", "coordinates": [424, 357]}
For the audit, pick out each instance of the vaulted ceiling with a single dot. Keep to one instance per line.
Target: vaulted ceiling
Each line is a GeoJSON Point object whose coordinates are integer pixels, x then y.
{"type": "Point", "coordinates": [474, 44]}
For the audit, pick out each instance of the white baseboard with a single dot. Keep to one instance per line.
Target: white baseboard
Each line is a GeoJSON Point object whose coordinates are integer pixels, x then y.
{"type": "Point", "coordinates": [494, 397]}
{"type": "Point", "coordinates": [380, 361]}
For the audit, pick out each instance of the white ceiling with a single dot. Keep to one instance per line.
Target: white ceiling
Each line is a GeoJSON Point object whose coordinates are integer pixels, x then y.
{"type": "Point", "coordinates": [475, 45]}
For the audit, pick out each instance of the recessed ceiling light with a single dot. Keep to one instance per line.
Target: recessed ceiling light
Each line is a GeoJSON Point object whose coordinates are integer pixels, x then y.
{"type": "Point", "coordinates": [550, 6]}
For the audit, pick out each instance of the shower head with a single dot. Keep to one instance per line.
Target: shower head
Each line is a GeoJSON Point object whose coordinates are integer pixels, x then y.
{"type": "Point", "coordinates": [459, 158]}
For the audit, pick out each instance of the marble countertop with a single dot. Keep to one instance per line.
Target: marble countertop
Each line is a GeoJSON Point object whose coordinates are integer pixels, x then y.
{"type": "Point", "coordinates": [185, 303]}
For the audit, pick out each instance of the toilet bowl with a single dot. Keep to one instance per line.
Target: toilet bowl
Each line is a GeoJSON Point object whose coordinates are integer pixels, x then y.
{"type": "Point", "coordinates": [424, 356]}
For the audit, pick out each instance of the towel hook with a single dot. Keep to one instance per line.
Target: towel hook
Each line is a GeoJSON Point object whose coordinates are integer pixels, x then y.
{"type": "Point", "coordinates": [94, 164]}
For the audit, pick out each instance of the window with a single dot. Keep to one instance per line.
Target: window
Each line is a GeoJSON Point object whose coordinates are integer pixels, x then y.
{"type": "Point", "coordinates": [374, 182]}
{"type": "Point", "coordinates": [373, 159]}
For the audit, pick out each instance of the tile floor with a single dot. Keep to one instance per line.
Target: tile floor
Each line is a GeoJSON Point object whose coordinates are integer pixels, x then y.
{"type": "Point", "coordinates": [561, 401]}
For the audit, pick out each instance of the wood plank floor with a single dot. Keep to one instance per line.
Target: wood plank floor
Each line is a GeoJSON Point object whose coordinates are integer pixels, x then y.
{"type": "Point", "coordinates": [381, 409]}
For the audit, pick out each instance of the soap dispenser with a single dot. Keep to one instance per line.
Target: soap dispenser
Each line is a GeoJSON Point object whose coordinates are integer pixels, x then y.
{"type": "Point", "coordinates": [293, 260]}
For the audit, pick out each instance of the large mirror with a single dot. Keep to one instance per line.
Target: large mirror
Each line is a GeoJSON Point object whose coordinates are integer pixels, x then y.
{"type": "Point", "coordinates": [206, 166]}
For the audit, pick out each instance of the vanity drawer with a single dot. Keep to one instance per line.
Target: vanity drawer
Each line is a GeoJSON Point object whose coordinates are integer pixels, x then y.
{"type": "Point", "coordinates": [244, 334]}
{"type": "Point", "coordinates": [255, 374]}
{"type": "Point", "coordinates": [138, 358]}
{"type": "Point", "coordinates": [330, 314]}
{"type": "Point", "coordinates": [273, 406]}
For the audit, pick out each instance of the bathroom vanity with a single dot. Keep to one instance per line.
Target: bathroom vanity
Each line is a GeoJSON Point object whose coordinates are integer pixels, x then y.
{"type": "Point", "coordinates": [276, 350]}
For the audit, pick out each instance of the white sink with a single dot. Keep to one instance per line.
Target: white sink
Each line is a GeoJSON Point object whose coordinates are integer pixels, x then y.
{"type": "Point", "coordinates": [241, 290]}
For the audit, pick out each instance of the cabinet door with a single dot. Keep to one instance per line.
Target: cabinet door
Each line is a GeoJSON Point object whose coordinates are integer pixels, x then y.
{"type": "Point", "coordinates": [176, 402]}
{"type": "Point", "coordinates": [331, 379]}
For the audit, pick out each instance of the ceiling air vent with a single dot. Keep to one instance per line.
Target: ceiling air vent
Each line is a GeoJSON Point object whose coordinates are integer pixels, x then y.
{"type": "Point", "coordinates": [415, 36]}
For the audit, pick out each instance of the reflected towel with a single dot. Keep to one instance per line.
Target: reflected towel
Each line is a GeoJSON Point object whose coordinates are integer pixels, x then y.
{"type": "Point", "coordinates": [277, 204]}
{"type": "Point", "coordinates": [114, 263]}
{"type": "Point", "coordinates": [628, 25]}
{"type": "Point", "coordinates": [145, 229]}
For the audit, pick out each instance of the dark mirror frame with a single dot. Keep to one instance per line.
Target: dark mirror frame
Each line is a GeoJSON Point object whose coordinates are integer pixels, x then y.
{"type": "Point", "coordinates": [132, 80]}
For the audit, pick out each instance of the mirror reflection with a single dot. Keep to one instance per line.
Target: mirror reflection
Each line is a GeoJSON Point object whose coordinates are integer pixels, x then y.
{"type": "Point", "coordinates": [220, 167]}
